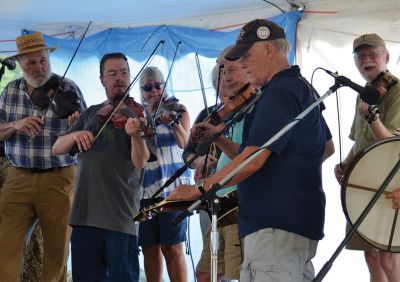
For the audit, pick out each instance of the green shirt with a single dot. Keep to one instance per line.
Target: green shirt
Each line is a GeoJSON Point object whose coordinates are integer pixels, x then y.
{"type": "Point", "coordinates": [237, 130]}
{"type": "Point", "coordinates": [389, 116]}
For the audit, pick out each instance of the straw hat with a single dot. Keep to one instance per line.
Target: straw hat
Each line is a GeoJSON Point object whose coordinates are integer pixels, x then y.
{"type": "Point", "coordinates": [29, 43]}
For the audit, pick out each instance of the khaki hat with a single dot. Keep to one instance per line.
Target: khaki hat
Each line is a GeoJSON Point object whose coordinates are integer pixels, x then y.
{"type": "Point", "coordinates": [371, 39]}
{"type": "Point", "coordinates": [252, 32]}
{"type": "Point", "coordinates": [29, 43]}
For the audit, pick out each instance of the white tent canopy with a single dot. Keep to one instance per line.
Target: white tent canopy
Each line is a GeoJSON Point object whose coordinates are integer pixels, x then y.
{"type": "Point", "coordinates": [350, 17]}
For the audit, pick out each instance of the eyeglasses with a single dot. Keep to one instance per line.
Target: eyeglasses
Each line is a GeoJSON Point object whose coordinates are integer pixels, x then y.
{"type": "Point", "coordinates": [149, 87]}
{"type": "Point", "coordinates": [114, 73]}
{"type": "Point", "coordinates": [364, 55]}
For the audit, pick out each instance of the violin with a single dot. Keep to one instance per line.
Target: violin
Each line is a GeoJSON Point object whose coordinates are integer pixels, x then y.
{"type": "Point", "coordinates": [171, 106]}
{"type": "Point", "coordinates": [128, 109]}
{"type": "Point", "coordinates": [383, 82]}
{"type": "Point", "coordinates": [64, 103]}
{"type": "Point", "coordinates": [228, 109]}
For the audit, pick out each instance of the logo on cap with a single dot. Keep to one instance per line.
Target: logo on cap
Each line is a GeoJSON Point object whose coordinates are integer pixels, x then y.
{"type": "Point", "coordinates": [263, 32]}
{"type": "Point", "coordinates": [241, 34]}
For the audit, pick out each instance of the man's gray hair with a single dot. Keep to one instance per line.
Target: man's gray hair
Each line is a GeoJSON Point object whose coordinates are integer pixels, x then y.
{"type": "Point", "coordinates": [282, 45]}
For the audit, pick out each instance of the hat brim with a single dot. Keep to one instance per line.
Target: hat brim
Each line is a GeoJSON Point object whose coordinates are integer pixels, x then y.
{"type": "Point", "coordinates": [369, 44]}
{"type": "Point", "coordinates": [238, 51]}
{"type": "Point", "coordinates": [51, 49]}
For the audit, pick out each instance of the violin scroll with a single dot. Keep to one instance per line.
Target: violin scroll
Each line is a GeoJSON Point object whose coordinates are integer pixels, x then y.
{"type": "Point", "coordinates": [63, 102]}
{"type": "Point", "coordinates": [172, 108]}
{"type": "Point", "coordinates": [383, 82]}
{"type": "Point", "coordinates": [228, 110]}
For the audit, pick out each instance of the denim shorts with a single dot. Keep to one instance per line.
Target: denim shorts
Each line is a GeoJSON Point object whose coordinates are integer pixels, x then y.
{"type": "Point", "coordinates": [160, 230]}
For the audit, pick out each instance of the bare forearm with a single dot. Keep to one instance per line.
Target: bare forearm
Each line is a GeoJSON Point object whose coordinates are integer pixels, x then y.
{"type": "Point", "coordinates": [181, 130]}
{"type": "Point", "coordinates": [227, 146]}
{"type": "Point", "coordinates": [7, 130]}
{"type": "Point", "coordinates": [64, 144]}
{"type": "Point", "coordinates": [379, 131]}
{"type": "Point", "coordinates": [139, 152]}
{"type": "Point", "coordinates": [329, 149]}
{"type": "Point", "coordinates": [245, 172]}
{"type": "Point", "coordinates": [181, 136]}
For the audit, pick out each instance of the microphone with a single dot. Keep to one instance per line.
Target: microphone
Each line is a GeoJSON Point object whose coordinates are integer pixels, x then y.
{"type": "Point", "coordinates": [10, 64]}
{"type": "Point", "coordinates": [368, 94]}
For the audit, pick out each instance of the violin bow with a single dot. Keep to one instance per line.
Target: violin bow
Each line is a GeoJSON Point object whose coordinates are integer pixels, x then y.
{"type": "Point", "coordinates": [166, 80]}
{"type": "Point", "coordinates": [213, 149]}
{"type": "Point", "coordinates": [126, 93]}
{"type": "Point", "coordinates": [66, 70]}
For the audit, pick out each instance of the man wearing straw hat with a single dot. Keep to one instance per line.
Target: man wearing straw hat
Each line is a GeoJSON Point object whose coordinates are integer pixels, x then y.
{"type": "Point", "coordinates": [39, 185]}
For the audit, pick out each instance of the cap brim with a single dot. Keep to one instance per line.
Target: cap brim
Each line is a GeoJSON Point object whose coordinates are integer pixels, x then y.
{"type": "Point", "coordinates": [238, 51]}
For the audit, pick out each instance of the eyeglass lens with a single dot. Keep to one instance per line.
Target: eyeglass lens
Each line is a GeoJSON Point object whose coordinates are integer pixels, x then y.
{"type": "Point", "coordinates": [114, 73]}
{"type": "Point", "coordinates": [364, 55]}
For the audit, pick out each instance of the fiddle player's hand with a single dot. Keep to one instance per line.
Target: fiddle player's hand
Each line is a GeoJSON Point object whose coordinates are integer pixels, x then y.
{"type": "Point", "coordinates": [73, 118]}
{"type": "Point", "coordinates": [395, 197]}
{"type": "Point", "coordinates": [30, 126]}
{"type": "Point", "coordinates": [340, 170]}
{"type": "Point", "coordinates": [184, 193]}
{"type": "Point", "coordinates": [362, 108]}
{"type": "Point", "coordinates": [84, 140]}
{"type": "Point", "coordinates": [206, 131]}
{"type": "Point", "coordinates": [365, 111]}
{"type": "Point", "coordinates": [198, 165]}
{"type": "Point", "coordinates": [166, 117]}
{"type": "Point", "coordinates": [132, 126]}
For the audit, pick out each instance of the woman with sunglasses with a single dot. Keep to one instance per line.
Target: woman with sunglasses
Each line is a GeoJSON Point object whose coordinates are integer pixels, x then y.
{"type": "Point", "coordinates": [159, 236]}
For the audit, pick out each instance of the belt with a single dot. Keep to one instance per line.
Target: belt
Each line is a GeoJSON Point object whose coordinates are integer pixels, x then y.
{"type": "Point", "coordinates": [40, 170]}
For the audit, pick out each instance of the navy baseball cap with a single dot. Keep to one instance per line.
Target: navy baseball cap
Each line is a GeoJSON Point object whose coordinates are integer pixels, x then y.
{"type": "Point", "coordinates": [252, 32]}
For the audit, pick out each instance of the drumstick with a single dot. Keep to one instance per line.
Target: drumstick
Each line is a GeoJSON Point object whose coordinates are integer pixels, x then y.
{"type": "Point", "coordinates": [366, 188]}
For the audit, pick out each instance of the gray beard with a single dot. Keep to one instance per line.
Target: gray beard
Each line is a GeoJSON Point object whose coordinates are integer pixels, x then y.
{"type": "Point", "coordinates": [32, 82]}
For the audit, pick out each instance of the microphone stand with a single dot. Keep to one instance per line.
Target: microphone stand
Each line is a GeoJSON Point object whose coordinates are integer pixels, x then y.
{"type": "Point", "coordinates": [211, 193]}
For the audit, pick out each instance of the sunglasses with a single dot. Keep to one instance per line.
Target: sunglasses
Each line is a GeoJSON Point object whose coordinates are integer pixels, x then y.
{"type": "Point", "coordinates": [149, 87]}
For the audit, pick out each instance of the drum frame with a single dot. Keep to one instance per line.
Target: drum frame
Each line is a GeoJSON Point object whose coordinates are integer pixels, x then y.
{"type": "Point", "coordinates": [374, 199]}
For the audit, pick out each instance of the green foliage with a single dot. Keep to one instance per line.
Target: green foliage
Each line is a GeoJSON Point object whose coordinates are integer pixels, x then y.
{"type": "Point", "coordinates": [9, 76]}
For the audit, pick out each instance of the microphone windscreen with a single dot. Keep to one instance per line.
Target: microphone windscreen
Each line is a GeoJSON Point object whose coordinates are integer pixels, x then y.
{"type": "Point", "coordinates": [370, 95]}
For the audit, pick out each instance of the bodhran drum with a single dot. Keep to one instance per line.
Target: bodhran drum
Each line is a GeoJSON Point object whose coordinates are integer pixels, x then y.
{"type": "Point", "coordinates": [367, 173]}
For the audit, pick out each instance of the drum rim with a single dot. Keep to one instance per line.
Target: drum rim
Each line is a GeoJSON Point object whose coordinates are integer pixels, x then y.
{"type": "Point", "coordinates": [346, 177]}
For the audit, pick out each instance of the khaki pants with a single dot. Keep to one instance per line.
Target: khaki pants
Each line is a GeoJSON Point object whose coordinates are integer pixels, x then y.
{"type": "Point", "coordinates": [274, 255]}
{"type": "Point", "coordinates": [25, 197]}
{"type": "Point", "coordinates": [229, 253]}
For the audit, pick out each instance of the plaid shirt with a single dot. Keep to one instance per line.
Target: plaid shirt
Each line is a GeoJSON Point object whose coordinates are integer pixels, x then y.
{"type": "Point", "coordinates": [15, 104]}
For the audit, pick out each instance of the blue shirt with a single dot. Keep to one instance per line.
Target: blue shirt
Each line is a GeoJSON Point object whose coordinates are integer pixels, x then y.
{"type": "Point", "coordinates": [169, 159]}
{"type": "Point", "coordinates": [15, 104]}
{"type": "Point", "coordinates": [286, 193]}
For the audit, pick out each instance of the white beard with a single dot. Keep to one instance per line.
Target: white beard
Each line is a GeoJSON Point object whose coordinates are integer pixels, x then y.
{"type": "Point", "coordinates": [33, 82]}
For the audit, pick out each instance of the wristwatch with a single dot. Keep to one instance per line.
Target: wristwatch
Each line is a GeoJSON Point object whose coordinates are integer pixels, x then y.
{"type": "Point", "coordinates": [200, 186]}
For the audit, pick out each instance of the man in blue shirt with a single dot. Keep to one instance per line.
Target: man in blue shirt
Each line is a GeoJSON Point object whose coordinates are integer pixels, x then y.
{"type": "Point", "coordinates": [281, 201]}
